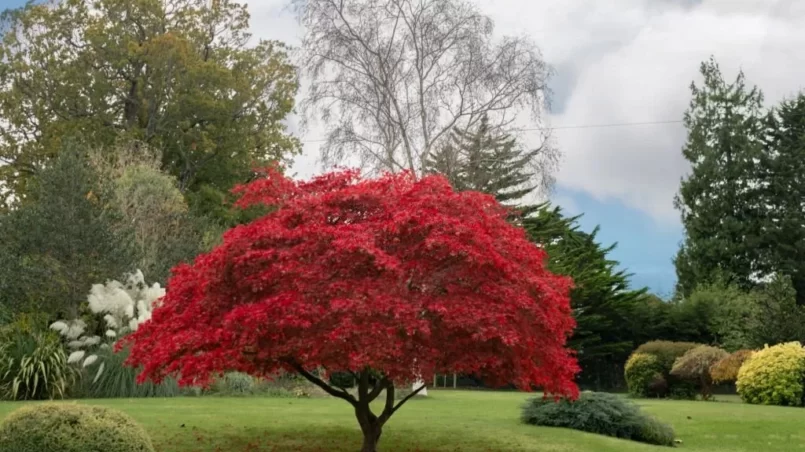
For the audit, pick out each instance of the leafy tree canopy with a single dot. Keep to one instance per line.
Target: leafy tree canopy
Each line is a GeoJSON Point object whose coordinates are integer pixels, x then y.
{"type": "Point", "coordinates": [179, 75]}
{"type": "Point", "coordinates": [391, 279]}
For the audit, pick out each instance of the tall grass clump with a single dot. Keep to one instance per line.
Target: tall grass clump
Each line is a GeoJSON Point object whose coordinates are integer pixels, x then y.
{"type": "Point", "coordinates": [33, 364]}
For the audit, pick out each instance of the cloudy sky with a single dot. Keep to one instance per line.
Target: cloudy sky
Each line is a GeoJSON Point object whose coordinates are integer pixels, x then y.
{"type": "Point", "coordinates": [628, 61]}
{"type": "Point", "coordinates": [624, 61]}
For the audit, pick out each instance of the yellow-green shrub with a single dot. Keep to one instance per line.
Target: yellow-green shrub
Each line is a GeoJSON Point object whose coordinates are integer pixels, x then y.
{"type": "Point", "coordinates": [643, 373]}
{"type": "Point", "coordinates": [71, 428]}
{"type": "Point", "coordinates": [773, 375]}
{"type": "Point", "coordinates": [726, 370]}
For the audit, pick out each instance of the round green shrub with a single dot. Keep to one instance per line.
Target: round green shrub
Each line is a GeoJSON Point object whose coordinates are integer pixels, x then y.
{"type": "Point", "coordinates": [666, 352]}
{"type": "Point", "coordinates": [774, 376]}
{"type": "Point", "coordinates": [600, 413]}
{"type": "Point", "coordinates": [643, 375]}
{"type": "Point", "coordinates": [71, 428]}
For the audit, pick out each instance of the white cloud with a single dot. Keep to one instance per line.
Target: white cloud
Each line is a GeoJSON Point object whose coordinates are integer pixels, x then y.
{"type": "Point", "coordinates": [626, 61]}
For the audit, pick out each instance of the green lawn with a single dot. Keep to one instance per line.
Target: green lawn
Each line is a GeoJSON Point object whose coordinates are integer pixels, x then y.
{"type": "Point", "coordinates": [446, 421]}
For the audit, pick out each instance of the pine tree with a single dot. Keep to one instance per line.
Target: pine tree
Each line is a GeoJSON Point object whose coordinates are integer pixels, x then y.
{"type": "Point", "coordinates": [61, 240]}
{"type": "Point", "coordinates": [484, 160]}
{"type": "Point", "coordinates": [601, 299]}
{"type": "Point", "coordinates": [719, 200]}
{"type": "Point", "coordinates": [783, 166]}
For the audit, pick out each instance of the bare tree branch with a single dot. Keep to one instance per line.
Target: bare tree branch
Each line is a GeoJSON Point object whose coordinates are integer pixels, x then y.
{"type": "Point", "coordinates": [392, 78]}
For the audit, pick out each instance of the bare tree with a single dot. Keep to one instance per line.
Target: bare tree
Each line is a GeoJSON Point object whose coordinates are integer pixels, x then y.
{"type": "Point", "coordinates": [392, 78]}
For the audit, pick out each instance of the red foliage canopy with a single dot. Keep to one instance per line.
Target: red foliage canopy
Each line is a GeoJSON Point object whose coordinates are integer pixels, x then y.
{"type": "Point", "coordinates": [400, 275]}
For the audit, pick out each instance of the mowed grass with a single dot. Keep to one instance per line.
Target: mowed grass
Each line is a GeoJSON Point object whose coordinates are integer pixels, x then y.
{"type": "Point", "coordinates": [446, 421]}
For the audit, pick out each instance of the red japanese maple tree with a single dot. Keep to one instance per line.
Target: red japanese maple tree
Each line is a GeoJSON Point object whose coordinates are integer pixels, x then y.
{"type": "Point", "coordinates": [390, 279]}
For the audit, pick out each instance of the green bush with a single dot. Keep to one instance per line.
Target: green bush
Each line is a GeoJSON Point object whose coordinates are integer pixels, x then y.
{"type": "Point", "coordinates": [600, 413]}
{"type": "Point", "coordinates": [234, 383]}
{"type": "Point", "coordinates": [343, 380]}
{"type": "Point", "coordinates": [644, 377]}
{"type": "Point", "coordinates": [71, 428]}
{"type": "Point", "coordinates": [694, 366]}
{"type": "Point", "coordinates": [33, 364]}
{"type": "Point", "coordinates": [773, 376]}
{"type": "Point", "coordinates": [109, 377]}
{"type": "Point", "coordinates": [666, 352]}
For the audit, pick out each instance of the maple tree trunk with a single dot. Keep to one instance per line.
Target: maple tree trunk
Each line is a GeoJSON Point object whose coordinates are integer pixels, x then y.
{"type": "Point", "coordinates": [371, 436]}
{"type": "Point", "coordinates": [371, 428]}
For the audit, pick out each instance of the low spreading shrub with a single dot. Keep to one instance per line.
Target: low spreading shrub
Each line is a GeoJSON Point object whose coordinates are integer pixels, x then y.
{"type": "Point", "coordinates": [694, 366]}
{"type": "Point", "coordinates": [644, 377]}
{"type": "Point", "coordinates": [71, 428]}
{"type": "Point", "coordinates": [600, 413]}
{"type": "Point", "coordinates": [33, 364]}
{"type": "Point", "coordinates": [774, 376]}
{"type": "Point", "coordinates": [726, 370]}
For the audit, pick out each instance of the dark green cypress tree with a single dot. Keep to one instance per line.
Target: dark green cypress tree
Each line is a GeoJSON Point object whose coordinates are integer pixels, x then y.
{"type": "Point", "coordinates": [602, 301]}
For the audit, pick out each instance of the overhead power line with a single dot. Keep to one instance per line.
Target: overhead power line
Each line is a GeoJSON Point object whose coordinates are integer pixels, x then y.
{"type": "Point", "coordinates": [578, 126]}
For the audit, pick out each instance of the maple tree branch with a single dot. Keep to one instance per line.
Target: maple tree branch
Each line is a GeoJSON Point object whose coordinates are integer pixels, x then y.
{"type": "Point", "coordinates": [377, 389]}
{"type": "Point", "coordinates": [388, 410]}
{"type": "Point", "coordinates": [335, 392]}
{"type": "Point", "coordinates": [408, 397]}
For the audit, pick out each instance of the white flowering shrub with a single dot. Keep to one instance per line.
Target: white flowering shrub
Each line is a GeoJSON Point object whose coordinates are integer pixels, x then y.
{"type": "Point", "coordinates": [124, 307]}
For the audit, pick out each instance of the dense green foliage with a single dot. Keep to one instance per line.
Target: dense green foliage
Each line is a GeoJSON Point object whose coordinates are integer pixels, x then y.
{"type": "Point", "coordinates": [774, 376]}
{"type": "Point", "coordinates": [644, 376]}
{"type": "Point", "coordinates": [719, 200]}
{"type": "Point", "coordinates": [71, 428]}
{"type": "Point", "coordinates": [600, 413]}
{"type": "Point", "coordinates": [767, 314]}
{"type": "Point", "coordinates": [603, 303]}
{"type": "Point", "coordinates": [61, 240]}
{"type": "Point", "coordinates": [180, 76]}
{"type": "Point", "coordinates": [695, 366]}
{"type": "Point", "coordinates": [152, 207]}
{"type": "Point", "coordinates": [742, 203]}
{"type": "Point", "coordinates": [783, 170]}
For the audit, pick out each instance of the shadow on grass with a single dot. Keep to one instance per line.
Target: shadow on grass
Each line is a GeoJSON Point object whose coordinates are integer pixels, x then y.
{"type": "Point", "coordinates": [311, 438]}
